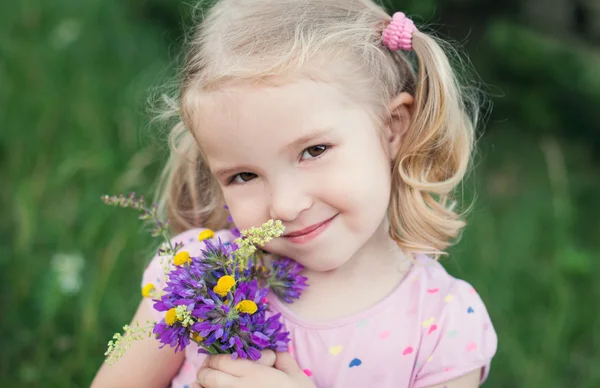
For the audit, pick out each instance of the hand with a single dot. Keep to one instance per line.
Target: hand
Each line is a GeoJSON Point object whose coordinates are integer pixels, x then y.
{"type": "Point", "coordinates": [270, 371]}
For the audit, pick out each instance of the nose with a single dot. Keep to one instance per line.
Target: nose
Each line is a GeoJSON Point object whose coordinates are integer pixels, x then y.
{"type": "Point", "coordinates": [288, 200]}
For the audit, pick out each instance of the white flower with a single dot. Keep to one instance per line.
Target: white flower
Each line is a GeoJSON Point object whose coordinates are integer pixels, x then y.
{"type": "Point", "coordinates": [65, 33]}
{"type": "Point", "coordinates": [67, 268]}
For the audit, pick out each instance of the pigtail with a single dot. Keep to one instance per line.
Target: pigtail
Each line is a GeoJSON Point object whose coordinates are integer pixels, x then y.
{"type": "Point", "coordinates": [187, 194]}
{"type": "Point", "coordinates": [435, 156]}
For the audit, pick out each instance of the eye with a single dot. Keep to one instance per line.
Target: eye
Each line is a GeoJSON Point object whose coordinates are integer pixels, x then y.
{"type": "Point", "coordinates": [242, 177]}
{"type": "Point", "coordinates": [314, 151]}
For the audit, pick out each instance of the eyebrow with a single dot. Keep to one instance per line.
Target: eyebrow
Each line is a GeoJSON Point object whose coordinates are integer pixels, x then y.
{"type": "Point", "coordinates": [297, 143]}
{"type": "Point", "coordinates": [224, 173]}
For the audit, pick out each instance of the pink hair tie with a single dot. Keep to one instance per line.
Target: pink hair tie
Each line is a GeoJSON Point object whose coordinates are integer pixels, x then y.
{"type": "Point", "coordinates": [398, 34]}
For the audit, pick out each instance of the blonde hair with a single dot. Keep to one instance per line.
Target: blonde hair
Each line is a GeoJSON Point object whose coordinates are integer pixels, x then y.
{"type": "Point", "coordinates": [265, 40]}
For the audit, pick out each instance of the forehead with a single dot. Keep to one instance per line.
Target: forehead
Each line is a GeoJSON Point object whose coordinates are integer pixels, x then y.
{"type": "Point", "coordinates": [250, 115]}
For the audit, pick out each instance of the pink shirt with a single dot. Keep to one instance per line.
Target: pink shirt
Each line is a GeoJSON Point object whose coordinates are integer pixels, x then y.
{"type": "Point", "coordinates": [432, 328]}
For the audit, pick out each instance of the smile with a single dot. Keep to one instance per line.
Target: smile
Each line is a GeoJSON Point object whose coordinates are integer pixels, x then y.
{"type": "Point", "coordinates": [309, 233]}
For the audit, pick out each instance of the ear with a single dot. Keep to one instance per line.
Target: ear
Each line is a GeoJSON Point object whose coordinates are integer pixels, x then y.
{"type": "Point", "coordinates": [400, 109]}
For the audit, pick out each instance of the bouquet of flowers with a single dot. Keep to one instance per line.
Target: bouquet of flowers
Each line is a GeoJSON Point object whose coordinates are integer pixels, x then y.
{"type": "Point", "coordinates": [218, 299]}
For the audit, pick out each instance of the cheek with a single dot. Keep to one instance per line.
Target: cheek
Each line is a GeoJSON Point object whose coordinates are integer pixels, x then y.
{"type": "Point", "coordinates": [245, 207]}
{"type": "Point", "coordinates": [362, 179]}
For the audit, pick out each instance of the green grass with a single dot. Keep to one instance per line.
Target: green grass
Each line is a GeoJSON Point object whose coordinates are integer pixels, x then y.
{"type": "Point", "coordinates": [530, 250]}
{"type": "Point", "coordinates": [74, 78]}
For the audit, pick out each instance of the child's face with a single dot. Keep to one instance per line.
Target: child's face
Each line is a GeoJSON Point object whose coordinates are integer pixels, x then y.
{"type": "Point", "coordinates": [303, 153]}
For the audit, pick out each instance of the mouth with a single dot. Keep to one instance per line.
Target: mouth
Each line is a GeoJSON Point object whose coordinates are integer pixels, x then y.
{"type": "Point", "coordinates": [308, 233]}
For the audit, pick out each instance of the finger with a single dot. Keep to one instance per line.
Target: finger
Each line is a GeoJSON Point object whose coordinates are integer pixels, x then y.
{"type": "Point", "coordinates": [212, 378]}
{"type": "Point", "coordinates": [238, 367]}
{"type": "Point", "coordinates": [286, 363]}
{"type": "Point", "coordinates": [267, 358]}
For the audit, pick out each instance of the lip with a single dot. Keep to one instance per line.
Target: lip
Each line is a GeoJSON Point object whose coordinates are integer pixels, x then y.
{"type": "Point", "coordinates": [308, 233]}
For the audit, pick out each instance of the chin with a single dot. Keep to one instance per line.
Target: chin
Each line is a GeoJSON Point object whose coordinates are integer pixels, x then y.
{"type": "Point", "coordinates": [322, 263]}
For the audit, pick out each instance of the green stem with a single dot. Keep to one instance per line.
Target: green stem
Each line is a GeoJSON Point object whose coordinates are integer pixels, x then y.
{"type": "Point", "coordinates": [168, 240]}
{"type": "Point", "coordinates": [155, 219]}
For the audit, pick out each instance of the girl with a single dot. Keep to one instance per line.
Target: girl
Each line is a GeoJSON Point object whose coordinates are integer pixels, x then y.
{"type": "Point", "coordinates": [319, 114]}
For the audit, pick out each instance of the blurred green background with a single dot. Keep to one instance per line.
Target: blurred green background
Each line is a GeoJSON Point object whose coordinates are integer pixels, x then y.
{"type": "Point", "coordinates": [75, 77]}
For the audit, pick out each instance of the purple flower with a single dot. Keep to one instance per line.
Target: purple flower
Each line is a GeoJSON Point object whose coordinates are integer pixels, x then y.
{"type": "Point", "coordinates": [184, 286]}
{"type": "Point", "coordinates": [216, 259]}
{"type": "Point", "coordinates": [285, 280]}
{"type": "Point", "coordinates": [268, 333]}
{"type": "Point", "coordinates": [242, 334]}
{"type": "Point", "coordinates": [256, 331]}
{"type": "Point", "coordinates": [175, 336]}
{"type": "Point", "coordinates": [249, 290]}
{"type": "Point", "coordinates": [235, 232]}
{"type": "Point", "coordinates": [215, 319]}
{"type": "Point", "coordinates": [221, 249]}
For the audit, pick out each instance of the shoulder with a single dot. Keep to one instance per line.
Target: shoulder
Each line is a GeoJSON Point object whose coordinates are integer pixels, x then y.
{"type": "Point", "coordinates": [444, 297]}
{"type": "Point", "coordinates": [457, 336]}
{"type": "Point", "coordinates": [432, 279]}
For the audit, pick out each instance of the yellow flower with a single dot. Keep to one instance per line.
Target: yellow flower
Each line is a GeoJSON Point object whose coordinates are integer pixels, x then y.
{"type": "Point", "coordinates": [171, 317]}
{"type": "Point", "coordinates": [206, 234]}
{"type": "Point", "coordinates": [246, 306]}
{"type": "Point", "coordinates": [181, 258]}
{"type": "Point", "coordinates": [147, 290]}
{"type": "Point", "coordinates": [224, 285]}
{"type": "Point", "coordinates": [196, 337]}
